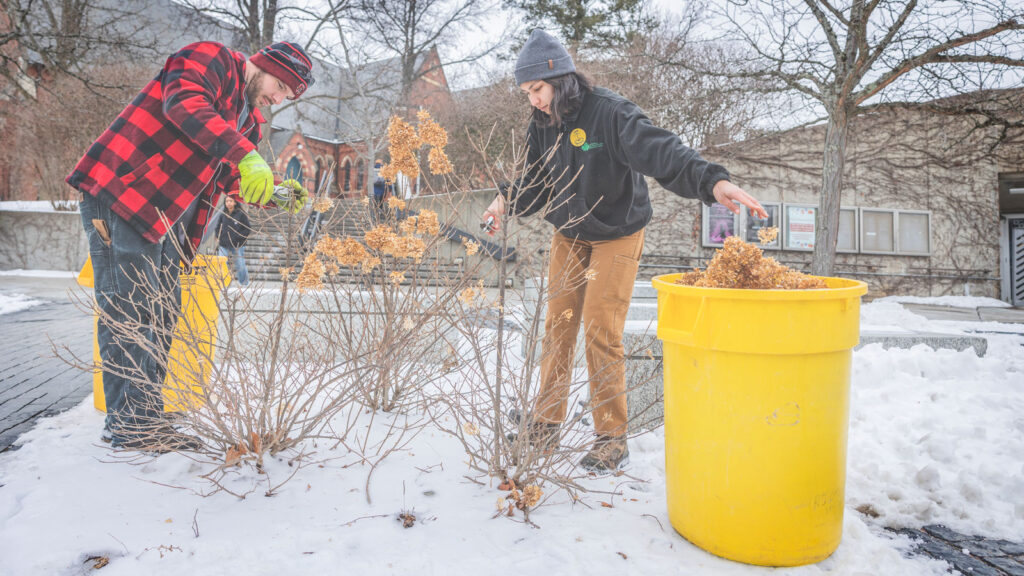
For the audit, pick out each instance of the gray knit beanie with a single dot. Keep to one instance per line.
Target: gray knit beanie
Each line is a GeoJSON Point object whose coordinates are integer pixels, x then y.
{"type": "Point", "coordinates": [542, 57]}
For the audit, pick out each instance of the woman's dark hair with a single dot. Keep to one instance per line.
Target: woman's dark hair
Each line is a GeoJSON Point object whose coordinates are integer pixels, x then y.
{"type": "Point", "coordinates": [569, 92]}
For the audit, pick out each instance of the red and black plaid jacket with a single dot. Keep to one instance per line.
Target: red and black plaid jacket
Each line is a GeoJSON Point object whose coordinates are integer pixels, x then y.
{"type": "Point", "coordinates": [166, 146]}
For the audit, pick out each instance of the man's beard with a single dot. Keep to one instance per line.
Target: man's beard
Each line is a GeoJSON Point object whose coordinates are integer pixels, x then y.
{"type": "Point", "coordinates": [252, 88]}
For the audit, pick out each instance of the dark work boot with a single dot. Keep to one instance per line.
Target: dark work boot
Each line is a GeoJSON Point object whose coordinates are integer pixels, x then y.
{"type": "Point", "coordinates": [609, 454]}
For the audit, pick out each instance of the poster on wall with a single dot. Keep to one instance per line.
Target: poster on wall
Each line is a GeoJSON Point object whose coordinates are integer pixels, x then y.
{"type": "Point", "coordinates": [721, 223]}
{"type": "Point", "coordinates": [752, 225]}
{"type": "Point", "coordinates": [800, 227]}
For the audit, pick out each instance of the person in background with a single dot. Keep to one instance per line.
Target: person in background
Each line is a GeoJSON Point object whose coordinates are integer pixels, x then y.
{"type": "Point", "coordinates": [148, 185]}
{"type": "Point", "coordinates": [232, 229]}
{"type": "Point", "coordinates": [588, 150]}
{"type": "Point", "coordinates": [380, 189]}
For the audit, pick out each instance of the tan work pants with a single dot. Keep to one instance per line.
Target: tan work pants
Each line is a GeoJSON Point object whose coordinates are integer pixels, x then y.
{"type": "Point", "coordinates": [592, 281]}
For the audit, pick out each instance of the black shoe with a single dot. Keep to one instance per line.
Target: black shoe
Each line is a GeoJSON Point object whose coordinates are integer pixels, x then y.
{"type": "Point", "coordinates": [106, 435]}
{"type": "Point", "coordinates": [609, 454]}
{"type": "Point", "coordinates": [160, 440]}
{"type": "Point", "coordinates": [545, 436]}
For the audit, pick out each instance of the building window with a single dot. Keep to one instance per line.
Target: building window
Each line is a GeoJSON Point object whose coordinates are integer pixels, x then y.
{"type": "Point", "coordinates": [913, 232]}
{"type": "Point", "coordinates": [360, 174]}
{"type": "Point", "coordinates": [878, 231]}
{"type": "Point", "coordinates": [719, 224]}
{"type": "Point", "coordinates": [294, 169]}
{"type": "Point", "coordinates": [799, 227]}
{"type": "Point", "coordinates": [346, 175]}
{"type": "Point", "coordinates": [848, 234]}
{"type": "Point", "coordinates": [751, 225]}
{"type": "Point", "coordinates": [319, 172]}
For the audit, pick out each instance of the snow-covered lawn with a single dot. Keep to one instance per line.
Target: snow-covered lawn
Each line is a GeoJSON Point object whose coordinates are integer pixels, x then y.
{"type": "Point", "coordinates": [935, 437]}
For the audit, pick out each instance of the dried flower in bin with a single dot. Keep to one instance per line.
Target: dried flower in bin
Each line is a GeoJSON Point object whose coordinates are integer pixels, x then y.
{"type": "Point", "coordinates": [767, 235]}
{"type": "Point", "coordinates": [439, 162]}
{"type": "Point", "coordinates": [397, 277]}
{"type": "Point", "coordinates": [396, 203]}
{"type": "Point", "coordinates": [427, 223]}
{"type": "Point", "coordinates": [323, 204]}
{"type": "Point", "coordinates": [739, 264]}
{"type": "Point", "coordinates": [381, 238]}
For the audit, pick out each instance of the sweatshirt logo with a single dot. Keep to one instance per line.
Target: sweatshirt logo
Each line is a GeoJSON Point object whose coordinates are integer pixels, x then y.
{"type": "Point", "coordinates": [578, 138]}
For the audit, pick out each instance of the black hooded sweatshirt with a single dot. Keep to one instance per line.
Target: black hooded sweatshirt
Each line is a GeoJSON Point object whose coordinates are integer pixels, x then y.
{"type": "Point", "coordinates": [590, 170]}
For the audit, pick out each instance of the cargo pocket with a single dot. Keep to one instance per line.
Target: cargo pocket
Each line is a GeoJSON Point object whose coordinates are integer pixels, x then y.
{"type": "Point", "coordinates": [619, 287]}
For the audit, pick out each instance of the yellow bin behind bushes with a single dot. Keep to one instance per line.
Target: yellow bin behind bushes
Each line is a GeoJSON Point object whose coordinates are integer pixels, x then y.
{"type": "Point", "coordinates": [756, 411]}
{"type": "Point", "coordinates": [189, 366]}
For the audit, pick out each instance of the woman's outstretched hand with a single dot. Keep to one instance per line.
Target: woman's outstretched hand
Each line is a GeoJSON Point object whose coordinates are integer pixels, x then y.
{"type": "Point", "coordinates": [728, 194]}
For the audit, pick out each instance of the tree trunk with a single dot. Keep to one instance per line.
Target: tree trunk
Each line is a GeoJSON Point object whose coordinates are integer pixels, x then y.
{"type": "Point", "coordinates": [826, 231]}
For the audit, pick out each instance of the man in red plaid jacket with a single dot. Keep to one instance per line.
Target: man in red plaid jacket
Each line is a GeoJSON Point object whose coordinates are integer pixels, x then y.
{"type": "Point", "coordinates": [148, 186]}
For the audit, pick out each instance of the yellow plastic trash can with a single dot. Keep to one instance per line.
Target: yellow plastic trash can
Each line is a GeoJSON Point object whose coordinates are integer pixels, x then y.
{"type": "Point", "coordinates": [756, 411]}
{"type": "Point", "coordinates": [189, 365]}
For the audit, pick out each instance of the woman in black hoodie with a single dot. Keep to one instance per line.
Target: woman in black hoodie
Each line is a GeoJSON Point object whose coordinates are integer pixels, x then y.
{"type": "Point", "coordinates": [588, 150]}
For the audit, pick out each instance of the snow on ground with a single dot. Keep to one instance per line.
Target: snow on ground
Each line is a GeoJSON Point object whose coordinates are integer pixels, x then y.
{"type": "Point", "coordinates": [15, 303]}
{"type": "Point", "coordinates": [935, 437]}
{"type": "Point", "coordinates": [40, 273]}
{"type": "Point", "coordinates": [953, 301]}
{"type": "Point", "coordinates": [30, 206]}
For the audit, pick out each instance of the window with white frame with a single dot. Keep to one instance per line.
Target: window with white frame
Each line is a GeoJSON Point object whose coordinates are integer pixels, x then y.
{"type": "Point", "coordinates": [913, 232]}
{"type": "Point", "coordinates": [719, 224]}
{"type": "Point", "coordinates": [799, 227]}
{"type": "Point", "coordinates": [878, 231]}
{"type": "Point", "coordinates": [848, 235]}
{"type": "Point", "coordinates": [751, 225]}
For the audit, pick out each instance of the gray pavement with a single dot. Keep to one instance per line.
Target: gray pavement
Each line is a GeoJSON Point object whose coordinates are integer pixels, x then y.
{"type": "Point", "coordinates": [34, 382]}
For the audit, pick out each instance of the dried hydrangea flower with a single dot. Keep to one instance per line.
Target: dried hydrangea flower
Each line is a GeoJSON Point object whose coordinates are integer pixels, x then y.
{"type": "Point", "coordinates": [312, 274]}
{"type": "Point", "coordinates": [286, 274]}
{"type": "Point", "coordinates": [471, 247]}
{"type": "Point", "coordinates": [396, 203]}
{"type": "Point", "coordinates": [323, 204]}
{"type": "Point", "coordinates": [381, 238]}
{"type": "Point", "coordinates": [470, 428]}
{"type": "Point", "coordinates": [531, 495]}
{"type": "Point", "coordinates": [739, 264]}
{"type": "Point", "coordinates": [427, 223]}
{"type": "Point", "coordinates": [439, 162]}
{"type": "Point", "coordinates": [397, 277]}
{"type": "Point", "coordinates": [767, 235]}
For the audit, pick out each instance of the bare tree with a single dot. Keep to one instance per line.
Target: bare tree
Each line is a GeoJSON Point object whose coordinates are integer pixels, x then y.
{"type": "Point", "coordinates": [410, 29]}
{"type": "Point", "coordinates": [847, 56]}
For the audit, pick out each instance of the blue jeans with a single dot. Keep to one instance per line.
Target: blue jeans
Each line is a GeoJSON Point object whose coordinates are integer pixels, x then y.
{"type": "Point", "coordinates": [238, 255]}
{"type": "Point", "coordinates": [139, 297]}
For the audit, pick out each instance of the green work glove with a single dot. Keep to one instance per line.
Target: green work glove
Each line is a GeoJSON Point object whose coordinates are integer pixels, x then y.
{"type": "Point", "coordinates": [257, 185]}
{"type": "Point", "coordinates": [297, 197]}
